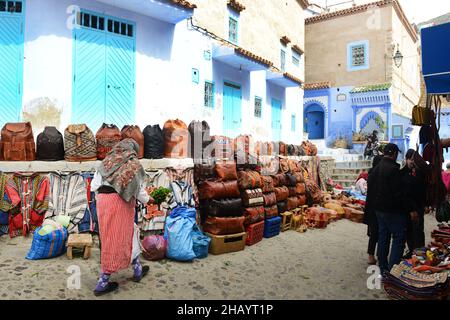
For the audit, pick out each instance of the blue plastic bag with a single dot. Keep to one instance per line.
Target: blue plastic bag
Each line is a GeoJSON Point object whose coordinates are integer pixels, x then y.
{"type": "Point", "coordinates": [48, 246]}
{"type": "Point", "coordinates": [178, 233]}
{"type": "Point", "coordinates": [201, 243]}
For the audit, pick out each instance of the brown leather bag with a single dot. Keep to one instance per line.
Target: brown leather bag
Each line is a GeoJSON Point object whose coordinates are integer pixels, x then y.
{"type": "Point", "coordinates": [204, 170]}
{"type": "Point", "coordinates": [221, 147]}
{"type": "Point", "coordinates": [266, 184]}
{"type": "Point", "coordinates": [252, 197]}
{"type": "Point", "coordinates": [292, 203]}
{"type": "Point", "coordinates": [135, 133]}
{"type": "Point", "coordinates": [282, 149]}
{"type": "Point", "coordinates": [293, 167]}
{"type": "Point", "coordinates": [224, 226]}
{"type": "Point", "coordinates": [226, 171]}
{"type": "Point", "coordinates": [282, 193]}
{"type": "Point", "coordinates": [302, 200]}
{"type": "Point", "coordinates": [219, 190]}
{"type": "Point", "coordinates": [284, 165]}
{"type": "Point", "coordinates": [299, 177]}
{"type": "Point", "coordinates": [270, 199]}
{"type": "Point", "coordinates": [176, 139]}
{"type": "Point", "coordinates": [249, 180]}
{"type": "Point", "coordinates": [107, 137]}
{"type": "Point", "coordinates": [313, 191]}
{"type": "Point", "coordinates": [17, 142]}
{"type": "Point", "coordinates": [300, 188]}
{"type": "Point", "coordinates": [271, 211]}
{"type": "Point", "coordinates": [279, 179]}
{"type": "Point", "coordinates": [253, 215]}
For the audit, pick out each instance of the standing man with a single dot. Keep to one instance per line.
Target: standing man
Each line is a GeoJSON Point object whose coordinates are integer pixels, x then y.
{"type": "Point", "coordinates": [387, 202]}
{"type": "Point", "coordinates": [414, 188]}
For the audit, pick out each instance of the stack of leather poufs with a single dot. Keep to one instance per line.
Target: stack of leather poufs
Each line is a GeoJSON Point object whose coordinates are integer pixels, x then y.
{"type": "Point", "coordinates": [221, 207]}
{"type": "Point", "coordinates": [252, 198]}
{"type": "Point", "coordinates": [281, 191]}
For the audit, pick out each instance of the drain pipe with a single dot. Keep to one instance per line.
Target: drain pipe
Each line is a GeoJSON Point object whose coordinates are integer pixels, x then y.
{"type": "Point", "coordinates": [209, 34]}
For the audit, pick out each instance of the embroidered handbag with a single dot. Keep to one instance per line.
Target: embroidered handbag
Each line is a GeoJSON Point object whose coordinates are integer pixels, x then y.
{"type": "Point", "coordinates": [253, 215]}
{"type": "Point", "coordinates": [252, 197]}
{"type": "Point", "coordinates": [293, 166]}
{"type": "Point", "coordinates": [271, 211]}
{"type": "Point", "coordinates": [79, 144]}
{"type": "Point", "coordinates": [270, 199]}
{"type": "Point", "coordinates": [249, 180]}
{"type": "Point", "coordinates": [266, 184]}
{"type": "Point", "coordinates": [313, 191]}
{"type": "Point", "coordinates": [281, 193]}
{"type": "Point", "coordinates": [226, 171]}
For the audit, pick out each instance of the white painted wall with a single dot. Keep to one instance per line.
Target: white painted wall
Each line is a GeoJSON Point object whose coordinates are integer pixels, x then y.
{"type": "Point", "coordinates": [165, 56]}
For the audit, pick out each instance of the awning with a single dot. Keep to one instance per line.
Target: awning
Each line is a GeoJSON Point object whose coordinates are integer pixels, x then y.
{"type": "Point", "coordinates": [435, 58]}
{"type": "Point", "coordinates": [282, 79]}
{"type": "Point", "coordinates": [164, 10]}
{"type": "Point", "coordinates": [239, 58]}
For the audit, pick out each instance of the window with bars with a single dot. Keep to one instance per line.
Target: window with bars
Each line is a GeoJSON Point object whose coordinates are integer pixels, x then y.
{"type": "Point", "coordinates": [97, 22]}
{"type": "Point", "coordinates": [295, 59]}
{"type": "Point", "coordinates": [209, 94]}
{"type": "Point", "coordinates": [258, 107]}
{"type": "Point", "coordinates": [11, 6]}
{"type": "Point", "coordinates": [283, 60]}
{"type": "Point", "coordinates": [358, 55]}
{"type": "Point", "coordinates": [293, 120]}
{"type": "Point", "coordinates": [233, 30]}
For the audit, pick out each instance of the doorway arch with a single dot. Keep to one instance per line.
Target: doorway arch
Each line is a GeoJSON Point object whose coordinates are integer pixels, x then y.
{"type": "Point", "coordinates": [314, 119]}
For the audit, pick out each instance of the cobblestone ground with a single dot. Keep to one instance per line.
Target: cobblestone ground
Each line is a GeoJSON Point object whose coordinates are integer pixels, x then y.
{"type": "Point", "coordinates": [319, 264]}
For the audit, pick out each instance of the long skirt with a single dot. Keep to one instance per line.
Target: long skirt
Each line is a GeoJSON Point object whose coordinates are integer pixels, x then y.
{"type": "Point", "coordinates": [116, 224]}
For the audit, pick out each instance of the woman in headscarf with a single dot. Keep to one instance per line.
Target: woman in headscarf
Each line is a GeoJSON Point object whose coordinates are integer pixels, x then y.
{"type": "Point", "coordinates": [361, 183]}
{"type": "Point", "coordinates": [119, 182]}
{"type": "Point", "coordinates": [370, 219]}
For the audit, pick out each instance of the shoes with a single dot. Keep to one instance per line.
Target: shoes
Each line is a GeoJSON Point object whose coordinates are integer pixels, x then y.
{"type": "Point", "coordinates": [112, 286]}
{"type": "Point", "coordinates": [145, 270]}
{"type": "Point", "coordinates": [372, 261]}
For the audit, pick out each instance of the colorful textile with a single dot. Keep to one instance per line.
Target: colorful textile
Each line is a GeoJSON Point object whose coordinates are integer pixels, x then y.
{"type": "Point", "coordinates": [49, 245]}
{"type": "Point", "coordinates": [89, 223]}
{"type": "Point", "coordinates": [29, 196]}
{"type": "Point", "coordinates": [116, 222]}
{"type": "Point", "coordinates": [123, 170]}
{"type": "Point", "coordinates": [182, 195]}
{"type": "Point", "coordinates": [67, 197]}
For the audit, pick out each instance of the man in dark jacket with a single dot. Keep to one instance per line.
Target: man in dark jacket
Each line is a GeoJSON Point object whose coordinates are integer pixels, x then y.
{"type": "Point", "coordinates": [414, 188]}
{"type": "Point", "coordinates": [387, 201]}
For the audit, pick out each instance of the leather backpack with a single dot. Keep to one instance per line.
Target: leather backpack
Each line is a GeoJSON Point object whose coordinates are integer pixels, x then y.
{"type": "Point", "coordinates": [17, 142]}
{"type": "Point", "coordinates": [253, 215]}
{"type": "Point", "coordinates": [224, 226]}
{"type": "Point", "coordinates": [135, 133]}
{"type": "Point", "coordinates": [153, 142]}
{"type": "Point", "coordinates": [107, 137]}
{"type": "Point", "coordinates": [199, 139]}
{"type": "Point", "coordinates": [50, 145]}
{"type": "Point", "coordinates": [176, 139]}
{"type": "Point", "coordinates": [79, 144]}
{"type": "Point", "coordinates": [271, 211]}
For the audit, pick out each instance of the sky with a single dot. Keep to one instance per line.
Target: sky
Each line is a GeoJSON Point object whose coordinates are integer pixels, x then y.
{"type": "Point", "coordinates": [417, 11]}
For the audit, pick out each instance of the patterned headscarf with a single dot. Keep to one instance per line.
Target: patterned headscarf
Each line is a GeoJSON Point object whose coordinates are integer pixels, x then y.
{"type": "Point", "coordinates": [122, 169]}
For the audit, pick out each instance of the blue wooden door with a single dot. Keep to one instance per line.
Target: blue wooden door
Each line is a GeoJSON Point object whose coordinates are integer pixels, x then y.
{"type": "Point", "coordinates": [276, 120]}
{"type": "Point", "coordinates": [11, 57]}
{"type": "Point", "coordinates": [232, 113]}
{"type": "Point", "coordinates": [104, 71]}
{"type": "Point", "coordinates": [89, 78]}
{"type": "Point", "coordinates": [315, 125]}
{"type": "Point", "coordinates": [120, 79]}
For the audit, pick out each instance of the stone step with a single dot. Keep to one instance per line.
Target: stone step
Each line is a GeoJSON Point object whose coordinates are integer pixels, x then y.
{"type": "Point", "coordinates": [353, 164]}
{"type": "Point", "coordinates": [356, 171]}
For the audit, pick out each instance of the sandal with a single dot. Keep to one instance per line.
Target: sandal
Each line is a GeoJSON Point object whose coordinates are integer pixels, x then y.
{"type": "Point", "coordinates": [112, 286]}
{"type": "Point", "coordinates": [145, 270]}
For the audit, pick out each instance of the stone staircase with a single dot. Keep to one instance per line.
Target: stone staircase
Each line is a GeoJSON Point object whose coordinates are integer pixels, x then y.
{"type": "Point", "coordinates": [347, 167]}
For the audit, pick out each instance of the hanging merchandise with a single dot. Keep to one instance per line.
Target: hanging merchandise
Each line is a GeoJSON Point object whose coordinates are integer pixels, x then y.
{"type": "Point", "coordinates": [178, 233]}
{"type": "Point", "coordinates": [135, 133]}
{"type": "Point", "coordinates": [224, 207]}
{"type": "Point", "coordinates": [29, 201]}
{"type": "Point", "coordinates": [17, 142]}
{"type": "Point", "coordinates": [176, 139]}
{"type": "Point", "coordinates": [79, 144]}
{"type": "Point", "coordinates": [48, 245]}
{"type": "Point", "coordinates": [154, 248]}
{"type": "Point", "coordinates": [199, 140]}
{"type": "Point", "coordinates": [107, 137]}
{"type": "Point", "coordinates": [5, 205]}
{"type": "Point", "coordinates": [50, 145]}
{"type": "Point", "coordinates": [67, 198]}
{"type": "Point", "coordinates": [182, 195]}
{"type": "Point", "coordinates": [153, 142]}
{"type": "Point", "coordinates": [89, 223]}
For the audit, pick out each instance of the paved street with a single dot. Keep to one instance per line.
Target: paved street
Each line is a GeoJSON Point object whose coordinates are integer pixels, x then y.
{"type": "Point", "coordinates": [319, 264]}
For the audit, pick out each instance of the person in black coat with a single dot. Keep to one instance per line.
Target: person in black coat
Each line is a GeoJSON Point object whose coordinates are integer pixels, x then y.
{"type": "Point", "coordinates": [370, 219]}
{"type": "Point", "coordinates": [414, 188]}
{"type": "Point", "coordinates": [386, 199]}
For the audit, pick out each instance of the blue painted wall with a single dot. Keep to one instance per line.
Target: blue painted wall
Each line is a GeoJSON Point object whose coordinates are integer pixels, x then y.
{"type": "Point", "coordinates": [340, 123]}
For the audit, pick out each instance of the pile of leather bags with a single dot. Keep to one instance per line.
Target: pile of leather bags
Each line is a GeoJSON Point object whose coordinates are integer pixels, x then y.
{"type": "Point", "coordinates": [345, 207]}
{"type": "Point", "coordinates": [221, 205]}
{"type": "Point", "coordinates": [252, 196]}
